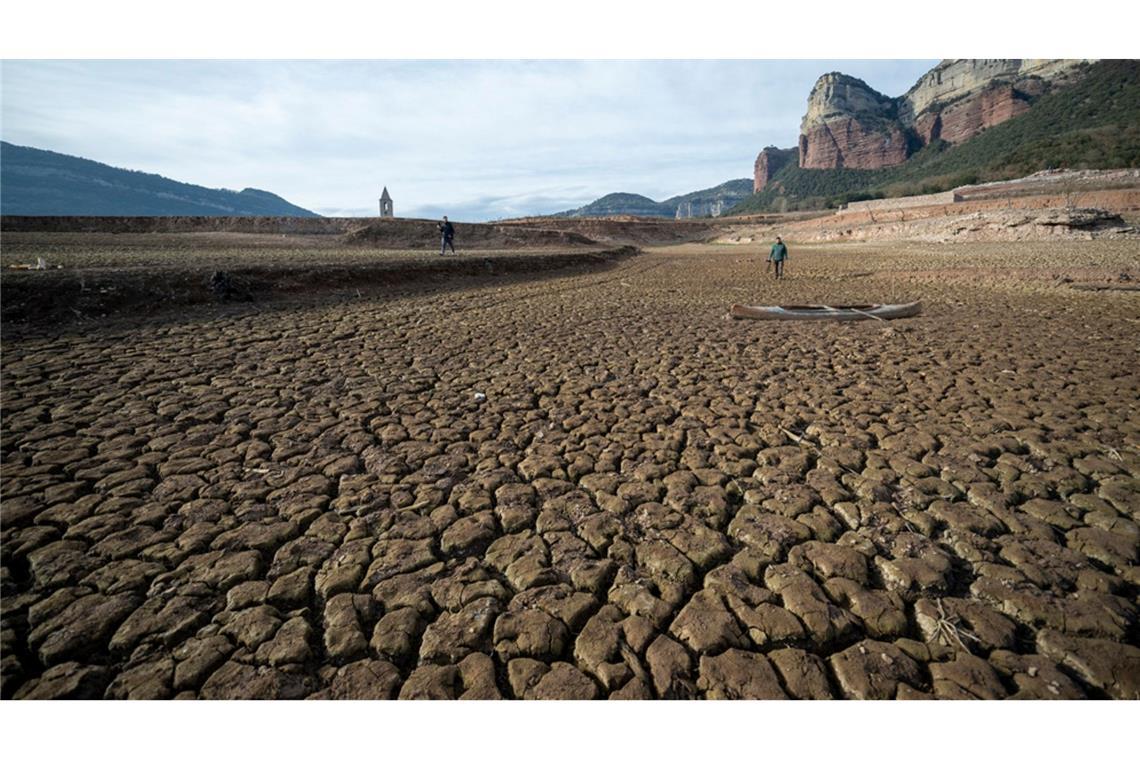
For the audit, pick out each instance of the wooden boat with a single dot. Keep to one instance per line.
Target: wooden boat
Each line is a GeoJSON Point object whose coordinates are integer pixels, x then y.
{"type": "Point", "coordinates": [820, 312]}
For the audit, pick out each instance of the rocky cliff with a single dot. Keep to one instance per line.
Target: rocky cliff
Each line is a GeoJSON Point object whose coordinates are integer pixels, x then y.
{"type": "Point", "coordinates": [962, 120]}
{"type": "Point", "coordinates": [712, 201]}
{"type": "Point", "coordinates": [703, 208]}
{"type": "Point", "coordinates": [850, 125]}
{"type": "Point", "coordinates": [955, 80]}
{"type": "Point", "coordinates": [770, 161]}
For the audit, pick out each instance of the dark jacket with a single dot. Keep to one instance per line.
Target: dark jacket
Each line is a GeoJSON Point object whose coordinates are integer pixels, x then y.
{"type": "Point", "coordinates": [447, 230]}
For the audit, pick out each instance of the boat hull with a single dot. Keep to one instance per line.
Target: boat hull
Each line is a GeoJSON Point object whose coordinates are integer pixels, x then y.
{"type": "Point", "coordinates": [814, 313]}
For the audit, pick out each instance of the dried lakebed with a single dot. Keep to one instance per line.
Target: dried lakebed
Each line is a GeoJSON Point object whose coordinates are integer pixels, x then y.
{"type": "Point", "coordinates": [590, 487]}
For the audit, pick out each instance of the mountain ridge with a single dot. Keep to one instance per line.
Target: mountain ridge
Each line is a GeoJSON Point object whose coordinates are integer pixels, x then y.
{"type": "Point", "coordinates": [38, 182]}
{"type": "Point", "coordinates": [711, 201]}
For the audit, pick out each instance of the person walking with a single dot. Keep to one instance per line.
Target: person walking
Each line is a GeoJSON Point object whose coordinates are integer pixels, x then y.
{"type": "Point", "coordinates": [448, 232]}
{"type": "Point", "coordinates": [777, 256]}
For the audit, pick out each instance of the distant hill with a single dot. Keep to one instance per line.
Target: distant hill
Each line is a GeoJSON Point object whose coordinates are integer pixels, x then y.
{"type": "Point", "coordinates": [1093, 122]}
{"type": "Point", "coordinates": [712, 201]}
{"type": "Point", "coordinates": [37, 182]}
{"type": "Point", "coordinates": [620, 203]}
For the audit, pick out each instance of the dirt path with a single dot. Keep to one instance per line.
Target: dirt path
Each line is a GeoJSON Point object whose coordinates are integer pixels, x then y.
{"type": "Point", "coordinates": [590, 486]}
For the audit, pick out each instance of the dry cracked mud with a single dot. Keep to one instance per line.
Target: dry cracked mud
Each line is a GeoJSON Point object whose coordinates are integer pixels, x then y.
{"type": "Point", "coordinates": [590, 487]}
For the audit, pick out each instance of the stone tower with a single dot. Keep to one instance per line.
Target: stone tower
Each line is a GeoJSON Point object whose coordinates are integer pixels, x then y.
{"type": "Point", "coordinates": [386, 204]}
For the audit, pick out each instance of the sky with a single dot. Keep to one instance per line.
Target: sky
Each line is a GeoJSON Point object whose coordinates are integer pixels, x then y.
{"type": "Point", "coordinates": [477, 140]}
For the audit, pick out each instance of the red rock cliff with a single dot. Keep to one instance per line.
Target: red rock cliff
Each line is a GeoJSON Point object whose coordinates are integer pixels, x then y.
{"type": "Point", "coordinates": [847, 143]}
{"type": "Point", "coordinates": [962, 120]}
{"type": "Point", "coordinates": [850, 125]}
{"type": "Point", "coordinates": [770, 161]}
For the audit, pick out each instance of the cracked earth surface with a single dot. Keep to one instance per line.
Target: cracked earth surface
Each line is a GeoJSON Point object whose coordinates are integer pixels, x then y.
{"type": "Point", "coordinates": [590, 487]}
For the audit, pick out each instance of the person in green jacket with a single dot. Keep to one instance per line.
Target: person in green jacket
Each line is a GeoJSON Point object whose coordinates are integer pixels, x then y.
{"type": "Point", "coordinates": [778, 255]}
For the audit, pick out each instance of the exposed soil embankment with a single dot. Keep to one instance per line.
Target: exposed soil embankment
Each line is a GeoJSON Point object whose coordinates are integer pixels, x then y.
{"type": "Point", "coordinates": [417, 234]}
{"type": "Point", "coordinates": [994, 224]}
{"type": "Point", "coordinates": [358, 232]}
{"type": "Point", "coordinates": [1078, 184]}
{"type": "Point", "coordinates": [68, 295]}
{"type": "Point", "coordinates": [362, 232]}
{"type": "Point", "coordinates": [1043, 206]}
{"type": "Point", "coordinates": [1037, 218]}
{"type": "Point", "coordinates": [623, 230]}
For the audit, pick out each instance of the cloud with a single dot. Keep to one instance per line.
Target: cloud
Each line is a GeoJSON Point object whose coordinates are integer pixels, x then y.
{"type": "Point", "coordinates": [484, 139]}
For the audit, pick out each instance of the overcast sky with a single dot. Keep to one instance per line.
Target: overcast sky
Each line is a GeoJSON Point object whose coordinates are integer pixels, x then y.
{"type": "Point", "coordinates": [476, 140]}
